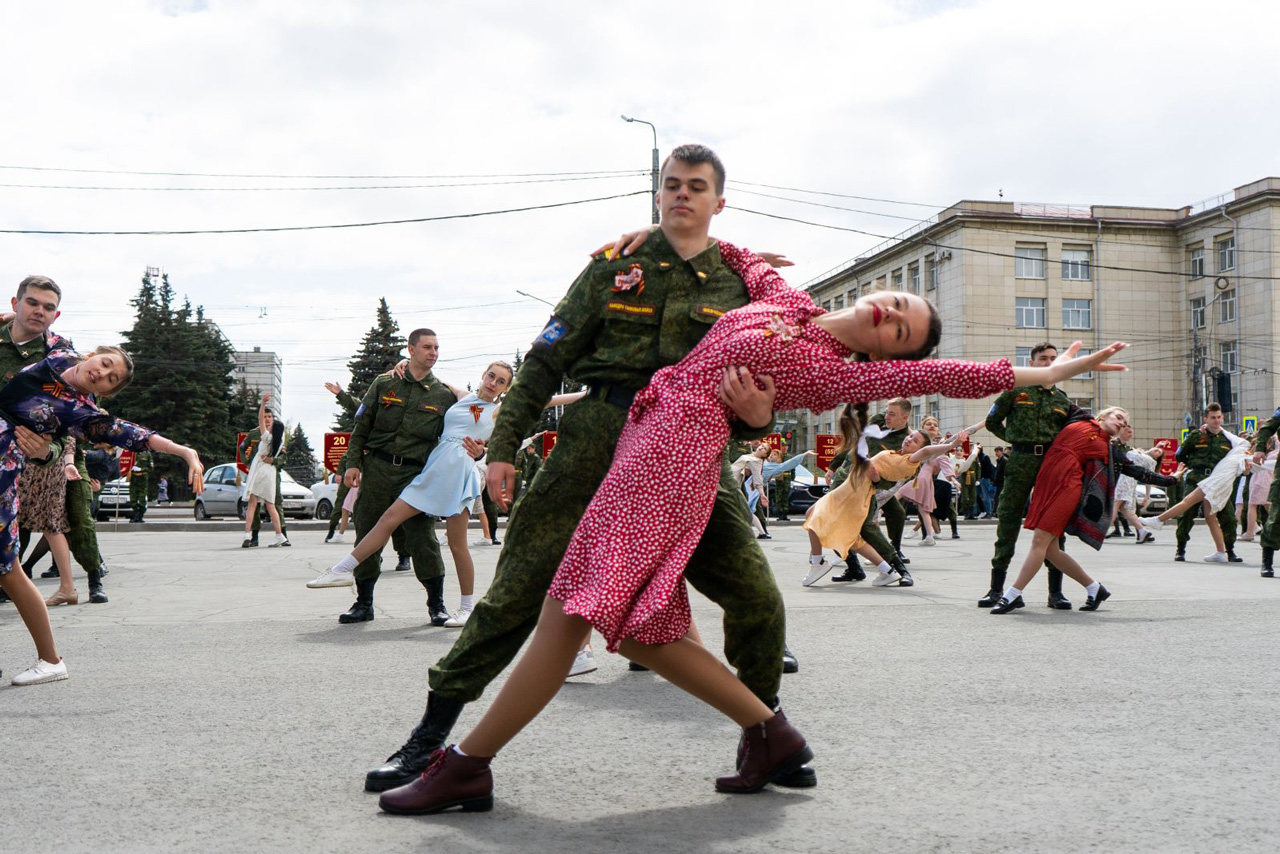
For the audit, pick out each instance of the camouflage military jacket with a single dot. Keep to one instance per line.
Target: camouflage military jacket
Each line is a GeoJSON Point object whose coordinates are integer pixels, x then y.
{"type": "Point", "coordinates": [1031, 415]}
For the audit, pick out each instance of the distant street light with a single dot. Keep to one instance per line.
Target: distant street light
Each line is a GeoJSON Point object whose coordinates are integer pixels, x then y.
{"type": "Point", "coordinates": [655, 162]}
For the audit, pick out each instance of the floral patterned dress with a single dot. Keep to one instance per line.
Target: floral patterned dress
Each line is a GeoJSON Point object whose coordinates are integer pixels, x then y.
{"type": "Point", "coordinates": [624, 568]}
{"type": "Point", "coordinates": [38, 399]}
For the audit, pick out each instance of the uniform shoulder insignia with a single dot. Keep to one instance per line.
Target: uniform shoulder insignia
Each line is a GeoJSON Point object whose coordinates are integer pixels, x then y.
{"type": "Point", "coordinates": [555, 329]}
{"type": "Point", "coordinates": [632, 279]}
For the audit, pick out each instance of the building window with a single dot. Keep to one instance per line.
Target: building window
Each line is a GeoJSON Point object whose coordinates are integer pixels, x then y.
{"type": "Point", "coordinates": [1227, 350]}
{"type": "Point", "coordinates": [1195, 262]}
{"type": "Point", "coordinates": [1083, 402]}
{"type": "Point", "coordinates": [1087, 375]}
{"type": "Point", "coordinates": [913, 274]}
{"type": "Point", "coordinates": [1198, 319]}
{"type": "Point", "coordinates": [1028, 262]}
{"type": "Point", "coordinates": [881, 282]}
{"type": "Point", "coordinates": [1227, 307]}
{"type": "Point", "coordinates": [1077, 314]}
{"type": "Point", "coordinates": [1029, 313]}
{"type": "Point", "coordinates": [897, 279]}
{"type": "Point", "coordinates": [931, 272]}
{"type": "Point", "coordinates": [1226, 254]}
{"type": "Point", "coordinates": [1075, 265]}
{"type": "Point", "coordinates": [1022, 357]}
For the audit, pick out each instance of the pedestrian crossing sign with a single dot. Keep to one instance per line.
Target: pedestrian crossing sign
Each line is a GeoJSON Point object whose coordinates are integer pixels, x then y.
{"type": "Point", "coordinates": [1183, 437]}
{"type": "Point", "coordinates": [1249, 424]}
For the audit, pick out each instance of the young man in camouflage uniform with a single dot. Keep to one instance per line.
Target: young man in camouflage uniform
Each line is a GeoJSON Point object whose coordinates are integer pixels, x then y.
{"type": "Point", "coordinates": [397, 426]}
{"type": "Point", "coordinates": [1029, 419]}
{"type": "Point", "coordinates": [139, 485]}
{"type": "Point", "coordinates": [1200, 452]}
{"type": "Point", "coordinates": [613, 338]}
{"type": "Point", "coordinates": [25, 341]}
{"type": "Point", "coordinates": [1271, 525]}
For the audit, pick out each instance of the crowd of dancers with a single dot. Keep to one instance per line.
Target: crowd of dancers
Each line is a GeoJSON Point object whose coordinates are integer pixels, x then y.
{"type": "Point", "coordinates": [685, 344]}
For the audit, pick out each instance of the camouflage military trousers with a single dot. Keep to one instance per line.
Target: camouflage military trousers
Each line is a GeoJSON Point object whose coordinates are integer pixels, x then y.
{"type": "Point", "coordinates": [1019, 477]}
{"type": "Point", "coordinates": [1226, 516]}
{"type": "Point", "coordinates": [1271, 527]}
{"type": "Point", "coordinates": [138, 495]}
{"type": "Point", "coordinates": [81, 537]}
{"type": "Point", "coordinates": [380, 485]}
{"type": "Point", "coordinates": [727, 567]}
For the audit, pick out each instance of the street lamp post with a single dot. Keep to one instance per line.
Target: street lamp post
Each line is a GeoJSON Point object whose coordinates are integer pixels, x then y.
{"type": "Point", "coordinates": [655, 162]}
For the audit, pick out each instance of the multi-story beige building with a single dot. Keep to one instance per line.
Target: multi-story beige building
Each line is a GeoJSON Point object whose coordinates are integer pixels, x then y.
{"type": "Point", "coordinates": [1191, 289]}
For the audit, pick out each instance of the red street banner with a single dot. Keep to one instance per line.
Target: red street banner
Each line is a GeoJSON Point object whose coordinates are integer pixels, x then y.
{"type": "Point", "coordinates": [1168, 462]}
{"type": "Point", "coordinates": [335, 448]}
{"type": "Point", "coordinates": [548, 442]}
{"type": "Point", "coordinates": [774, 441]}
{"type": "Point", "coordinates": [126, 462]}
{"type": "Point", "coordinates": [241, 463]}
{"type": "Point", "coordinates": [827, 444]}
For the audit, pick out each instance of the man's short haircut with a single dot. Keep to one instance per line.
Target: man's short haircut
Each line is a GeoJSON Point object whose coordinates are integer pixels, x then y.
{"type": "Point", "coordinates": [1041, 347]}
{"type": "Point", "coordinates": [1213, 407]}
{"type": "Point", "coordinates": [418, 333]}
{"type": "Point", "coordinates": [903, 405]}
{"type": "Point", "coordinates": [44, 283]}
{"type": "Point", "coordinates": [693, 154]}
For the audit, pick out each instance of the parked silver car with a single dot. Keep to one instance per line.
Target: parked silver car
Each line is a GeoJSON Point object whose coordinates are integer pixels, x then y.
{"type": "Point", "coordinates": [222, 496]}
{"type": "Point", "coordinates": [1159, 500]}
{"type": "Point", "coordinates": [113, 500]}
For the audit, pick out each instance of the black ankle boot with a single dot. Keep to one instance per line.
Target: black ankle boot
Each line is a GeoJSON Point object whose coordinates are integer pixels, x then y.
{"type": "Point", "coordinates": [362, 610]}
{"type": "Point", "coordinates": [435, 601]}
{"type": "Point", "coordinates": [906, 581]}
{"type": "Point", "coordinates": [414, 756]}
{"type": "Point", "coordinates": [96, 594]}
{"type": "Point", "coordinates": [1267, 556]}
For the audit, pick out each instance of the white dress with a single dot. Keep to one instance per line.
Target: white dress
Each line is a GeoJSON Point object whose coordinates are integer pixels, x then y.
{"type": "Point", "coordinates": [262, 474]}
{"type": "Point", "coordinates": [1217, 487]}
{"type": "Point", "coordinates": [1125, 485]}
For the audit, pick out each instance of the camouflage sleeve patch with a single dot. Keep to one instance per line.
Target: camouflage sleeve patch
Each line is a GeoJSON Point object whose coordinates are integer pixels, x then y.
{"type": "Point", "coordinates": [555, 329]}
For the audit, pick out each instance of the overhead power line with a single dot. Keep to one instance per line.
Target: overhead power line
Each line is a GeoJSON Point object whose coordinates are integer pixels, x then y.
{"type": "Point", "coordinates": [312, 177]}
{"type": "Point", "coordinates": [632, 174]}
{"type": "Point", "coordinates": [440, 218]}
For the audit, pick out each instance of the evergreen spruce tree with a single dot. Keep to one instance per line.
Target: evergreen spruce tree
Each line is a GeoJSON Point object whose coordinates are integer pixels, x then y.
{"type": "Point", "coordinates": [299, 458]}
{"type": "Point", "coordinates": [381, 348]}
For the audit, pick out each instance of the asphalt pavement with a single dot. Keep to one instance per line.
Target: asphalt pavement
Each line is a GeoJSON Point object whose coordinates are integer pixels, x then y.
{"type": "Point", "coordinates": [215, 704]}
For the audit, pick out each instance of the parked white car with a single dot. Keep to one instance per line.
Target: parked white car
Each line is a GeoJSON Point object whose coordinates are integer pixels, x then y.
{"type": "Point", "coordinates": [326, 495]}
{"type": "Point", "coordinates": [1159, 500]}
{"type": "Point", "coordinates": [223, 496]}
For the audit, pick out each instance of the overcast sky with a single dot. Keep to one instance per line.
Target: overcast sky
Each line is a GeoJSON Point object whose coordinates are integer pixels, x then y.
{"type": "Point", "coordinates": [1142, 103]}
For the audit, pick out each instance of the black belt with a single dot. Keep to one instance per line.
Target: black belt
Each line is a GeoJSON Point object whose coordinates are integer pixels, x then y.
{"type": "Point", "coordinates": [614, 394]}
{"type": "Point", "coordinates": [1028, 448]}
{"type": "Point", "coordinates": [397, 460]}
{"type": "Point", "coordinates": [1203, 471]}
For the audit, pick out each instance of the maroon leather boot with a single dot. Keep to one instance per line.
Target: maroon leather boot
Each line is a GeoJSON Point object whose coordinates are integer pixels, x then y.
{"type": "Point", "coordinates": [771, 748]}
{"type": "Point", "coordinates": [450, 781]}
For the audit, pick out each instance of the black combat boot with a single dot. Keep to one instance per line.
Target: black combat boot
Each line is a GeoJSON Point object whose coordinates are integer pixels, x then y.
{"type": "Point", "coordinates": [1267, 556]}
{"type": "Point", "coordinates": [901, 568]}
{"type": "Point", "coordinates": [996, 592]}
{"type": "Point", "coordinates": [414, 756]}
{"type": "Point", "coordinates": [96, 594]}
{"type": "Point", "coordinates": [1232, 557]}
{"type": "Point", "coordinates": [435, 601]}
{"type": "Point", "coordinates": [362, 610]}
{"type": "Point", "coordinates": [1056, 600]}
{"type": "Point", "coordinates": [853, 570]}
{"type": "Point", "coordinates": [1181, 554]}
{"type": "Point", "coordinates": [403, 565]}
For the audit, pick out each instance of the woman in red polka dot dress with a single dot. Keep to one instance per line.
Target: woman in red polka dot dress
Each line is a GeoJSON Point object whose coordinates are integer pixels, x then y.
{"type": "Point", "coordinates": [623, 571]}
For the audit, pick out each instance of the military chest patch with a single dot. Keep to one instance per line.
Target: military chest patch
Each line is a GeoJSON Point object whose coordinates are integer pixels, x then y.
{"type": "Point", "coordinates": [1024, 399]}
{"type": "Point", "coordinates": [638, 310]}
{"type": "Point", "coordinates": [391, 399]}
{"type": "Point", "coordinates": [631, 280]}
{"type": "Point", "coordinates": [708, 311]}
{"type": "Point", "coordinates": [552, 332]}
{"type": "Point", "coordinates": [426, 407]}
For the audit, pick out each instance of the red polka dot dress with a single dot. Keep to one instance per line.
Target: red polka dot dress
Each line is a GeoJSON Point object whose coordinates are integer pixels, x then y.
{"type": "Point", "coordinates": [624, 568]}
{"type": "Point", "coordinates": [1060, 481]}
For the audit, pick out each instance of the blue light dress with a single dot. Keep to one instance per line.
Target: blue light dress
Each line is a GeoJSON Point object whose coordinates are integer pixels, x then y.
{"type": "Point", "coordinates": [449, 483]}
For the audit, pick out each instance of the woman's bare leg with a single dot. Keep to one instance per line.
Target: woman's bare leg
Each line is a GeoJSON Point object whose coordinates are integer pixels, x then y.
{"type": "Point", "coordinates": [455, 530]}
{"type": "Point", "coordinates": [31, 608]}
{"type": "Point", "coordinates": [62, 560]}
{"type": "Point", "coordinates": [275, 519]}
{"type": "Point", "coordinates": [1252, 530]}
{"type": "Point", "coordinates": [248, 515]}
{"type": "Point", "coordinates": [534, 681]}
{"type": "Point", "coordinates": [1065, 562]}
{"type": "Point", "coordinates": [1191, 499]}
{"type": "Point", "coordinates": [1040, 540]}
{"type": "Point", "coordinates": [342, 521]}
{"type": "Point", "coordinates": [378, 536]}
{"type": "Point", "coordinates": [692, 668]}
{"type": "Point", "coordinates": [1215, 530]}
{"type": "Point", "coordinates": [926, 518]}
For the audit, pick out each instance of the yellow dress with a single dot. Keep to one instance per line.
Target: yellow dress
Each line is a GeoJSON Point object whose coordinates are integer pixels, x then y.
{"type": "Point", "coordinates": [838, 517]}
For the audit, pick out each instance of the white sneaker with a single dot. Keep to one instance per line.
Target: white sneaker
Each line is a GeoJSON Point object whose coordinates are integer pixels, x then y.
{"type": "Point", "coordinates": [816, 572]}
{"type": "Point", "coordinates": [884, 579]}
{"type": "Point", "coordinates": [1145, 536]}
{"type": "Point", "coordinates": [338, 537]}
{"type": "Point", "coordinates": [481, 542]}
{"type": "Point", "coordinates": [584, 662]}
{"type": "Point", "coordinates": [1152, 523]}
{"type": "Point", "coordinates": [459, 619]}
{"type": "Point", "coordinates": [280, 540]}
{"type": "Point", "coordinates": [333, 577]}
{"type": "Point", "coordinates": [1247, 538]}
{"type": "Point", "coordinates": [41, 672]}
{"type": "Point", "coordinates": [928, 541]}
{"type": "Point", "coordinates": [1216, 557]}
